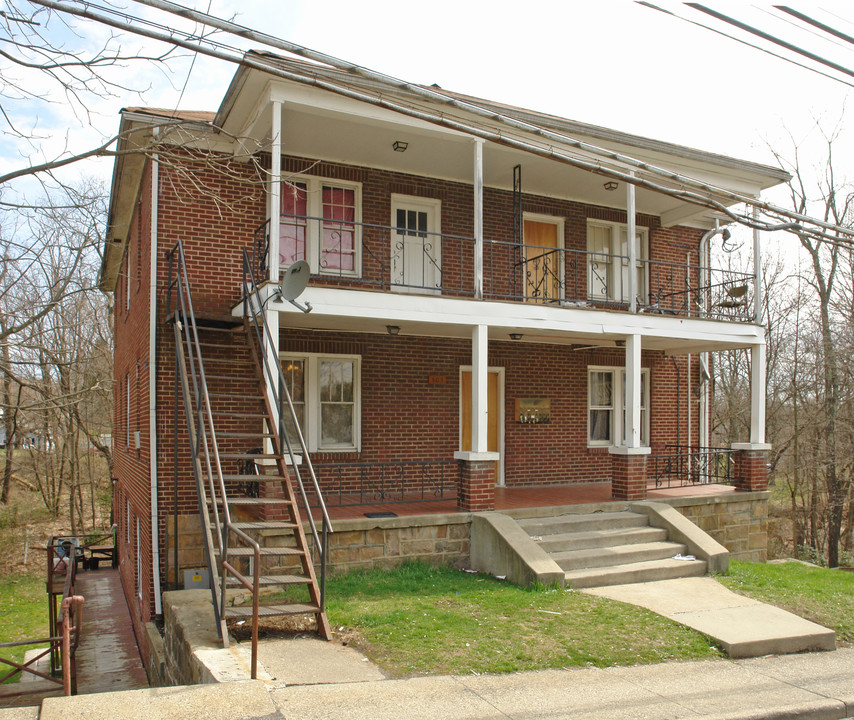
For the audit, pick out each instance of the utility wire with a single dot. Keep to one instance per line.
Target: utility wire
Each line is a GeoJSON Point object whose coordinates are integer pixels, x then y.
{"type": "Point", "coordinates": [701, 194]}
{"type": "Point", "coordinates": [815, 23]}
{"type": "Point", "coordinates": [771, 38]}
{"type": "Point", "coordinates": [652, 6]}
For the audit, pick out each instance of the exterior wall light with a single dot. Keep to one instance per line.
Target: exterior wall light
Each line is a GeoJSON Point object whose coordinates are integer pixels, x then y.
{"type": "Point", "coordinates": [515, 336]}
{"type": "Point", "coordinates": [611, 185]}
{"type": "Point", "coordinates": [400, 145]}
{"type": "Point", "coordinates": [392, 329]}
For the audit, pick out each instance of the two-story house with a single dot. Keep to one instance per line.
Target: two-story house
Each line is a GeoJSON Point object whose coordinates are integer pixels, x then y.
{"type": "Point", "coordinates": [499, 298]}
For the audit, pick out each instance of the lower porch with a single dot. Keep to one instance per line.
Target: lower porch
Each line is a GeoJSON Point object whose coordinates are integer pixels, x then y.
{"type": "Point", "coordinates": [523, 497]}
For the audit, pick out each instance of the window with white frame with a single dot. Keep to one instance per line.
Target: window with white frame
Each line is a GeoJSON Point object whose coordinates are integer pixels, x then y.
{"type": "Point", "coordinates": [325, 391]}
{"type": "Point", "coordinates": [606, 406]}
{"type": "Point", "coordinates": [608, 261]}
{"type": "Point", "coordinates": [319, 223]}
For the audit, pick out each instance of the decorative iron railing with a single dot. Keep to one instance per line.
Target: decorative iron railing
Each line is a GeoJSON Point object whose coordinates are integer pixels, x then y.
{"type": "Point", "coordinates": [369, 483]}
{"type": "Point", "coordinates": [364, 255]}
{"type": "Point", "coordinates": [682, 466]}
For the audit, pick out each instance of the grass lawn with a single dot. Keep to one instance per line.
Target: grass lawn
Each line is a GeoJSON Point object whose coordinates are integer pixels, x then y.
{"type": "Point", "coordinates": [23, 615]}
{"type": "Point", "coordinates": [421, 620]}
{"type": "Point", "coordinates": [818, 594]}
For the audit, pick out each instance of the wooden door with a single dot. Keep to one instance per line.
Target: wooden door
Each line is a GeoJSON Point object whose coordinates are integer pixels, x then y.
{"type": "Point", "coordinates": [493, 412]}
{"type": "Point", "coordinates": [542, 262]}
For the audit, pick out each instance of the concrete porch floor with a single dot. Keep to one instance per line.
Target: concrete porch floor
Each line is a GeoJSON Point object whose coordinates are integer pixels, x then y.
{"type": "Point", "coordinates": [512, 498]}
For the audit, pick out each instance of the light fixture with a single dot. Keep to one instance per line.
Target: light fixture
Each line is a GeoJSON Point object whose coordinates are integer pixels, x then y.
{"type": "Point", "coordinates": [392, 329]}
{"type": "Point", "coordinates": [400, 145]}
{"type": "Point", "coordinates": [611, 185]}
{"type": "Point", "coordinates": [515, 336]}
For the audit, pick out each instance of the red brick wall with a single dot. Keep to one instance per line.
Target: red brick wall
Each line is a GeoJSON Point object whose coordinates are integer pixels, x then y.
{"type": "Point", "coordinates": [404, 416]}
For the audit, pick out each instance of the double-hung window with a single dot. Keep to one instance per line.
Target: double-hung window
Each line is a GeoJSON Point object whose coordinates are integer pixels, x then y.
{"type": "Point", "coordinates": [608, 261]}
{"type": "Point", "coordinates": [606, 406]}
{"type": "Point", "coordinates": [325, 391]}
{"type": "Point", "coordinates": [319, 223]}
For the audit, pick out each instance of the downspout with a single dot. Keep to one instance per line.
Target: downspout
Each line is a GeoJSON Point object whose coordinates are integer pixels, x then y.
{"type": "Point", "coordinates": [152, 387]}
{"type": "Point", "coordinates": [704, 258]}
{"type": "Point", "coordinates": [678, 404]}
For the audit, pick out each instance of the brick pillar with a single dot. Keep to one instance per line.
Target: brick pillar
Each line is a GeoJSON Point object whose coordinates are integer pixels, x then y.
{"type": "Point", "coordinates": [750, 467]}
{"type": "Point", "coordinates": [477, 485]}
{"type": "Point", "coordinates": [628, 475]}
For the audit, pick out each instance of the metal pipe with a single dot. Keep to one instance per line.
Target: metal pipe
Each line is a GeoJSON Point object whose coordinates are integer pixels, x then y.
{"type": "Point", "coordinates": [152, 388]}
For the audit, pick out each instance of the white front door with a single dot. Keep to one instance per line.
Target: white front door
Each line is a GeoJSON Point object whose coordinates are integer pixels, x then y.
{"type": "Point", "coordinates": [416, 244]}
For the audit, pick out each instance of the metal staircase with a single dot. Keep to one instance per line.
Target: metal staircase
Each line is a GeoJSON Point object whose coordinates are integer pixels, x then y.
{"type": "Point", "coordinates": [245, 463]}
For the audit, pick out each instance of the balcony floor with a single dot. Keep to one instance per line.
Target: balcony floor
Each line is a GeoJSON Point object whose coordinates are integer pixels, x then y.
{"type": "Point", "coordinates": [512, 498]}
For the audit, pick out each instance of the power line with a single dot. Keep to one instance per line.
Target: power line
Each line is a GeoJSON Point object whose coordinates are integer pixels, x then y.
{"type": "Point", "coordinates": [792, 61]}
{"type": "Point", "coordinates": [771, 38]}
{"type": "Point", "coordinates": [816, 23]}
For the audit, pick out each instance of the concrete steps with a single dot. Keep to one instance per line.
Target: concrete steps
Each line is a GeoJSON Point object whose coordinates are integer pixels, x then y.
{"type": "Point", "coordinates": [610, 548]}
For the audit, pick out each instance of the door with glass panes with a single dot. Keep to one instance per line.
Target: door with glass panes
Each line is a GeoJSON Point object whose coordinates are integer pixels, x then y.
{"type": "Point", "coordinates": [416, 244]}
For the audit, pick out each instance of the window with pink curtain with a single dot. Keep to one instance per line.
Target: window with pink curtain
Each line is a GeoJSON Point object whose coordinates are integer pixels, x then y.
{"type": "Point", "coordinates": [293, 223]}
{"type": "Point", "coordinates": [338, 238]}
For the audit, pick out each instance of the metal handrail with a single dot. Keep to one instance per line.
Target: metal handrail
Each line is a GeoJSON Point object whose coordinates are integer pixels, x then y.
{"type": "Point", "coordinates": [281, 396]}
{"type": "Point", "coordinates": [185, 324]}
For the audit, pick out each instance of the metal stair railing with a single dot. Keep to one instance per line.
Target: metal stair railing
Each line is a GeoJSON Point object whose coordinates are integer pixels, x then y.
{"type": "Point", "coordinates": [253, 313]}
{"type": "Point", "coordinates": [207, 468]}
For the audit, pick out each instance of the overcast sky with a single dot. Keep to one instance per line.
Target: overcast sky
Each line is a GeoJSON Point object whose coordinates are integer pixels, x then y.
{"type": "Point", "coordinates": [609, 62]}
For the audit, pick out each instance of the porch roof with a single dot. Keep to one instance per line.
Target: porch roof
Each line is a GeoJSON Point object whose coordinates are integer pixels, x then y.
{"type": "Point", "coordinates": [360, 311]}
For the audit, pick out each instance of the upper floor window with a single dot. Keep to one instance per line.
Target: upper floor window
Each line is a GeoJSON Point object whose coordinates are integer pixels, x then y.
{"type": "Point", "coordinates": [608, 261]}
{"type": "Point", "coordinates": [319, 223]}
{"type": "Point", "coordinates": [606, 406]}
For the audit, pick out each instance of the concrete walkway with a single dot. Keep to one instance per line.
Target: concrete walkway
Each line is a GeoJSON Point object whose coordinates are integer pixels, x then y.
{"type": "Point", "coordinates": [743, 627]}
{"type": "Point", "coordinates": [819, 686]}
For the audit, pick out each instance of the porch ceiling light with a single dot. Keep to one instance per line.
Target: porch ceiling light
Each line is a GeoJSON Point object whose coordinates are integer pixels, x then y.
{"type": "Point", "coordinates": [515, 336]}
{"type": "Point", "coordinates": [392, 329]}
{"type": "Point", "coordinates": [611, 185]}
{"type": "Point", "coordinates": [400, 145]}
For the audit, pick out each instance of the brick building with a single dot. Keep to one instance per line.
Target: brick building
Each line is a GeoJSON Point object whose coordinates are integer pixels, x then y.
{"type": "Point", "coordinates": [479, 317]}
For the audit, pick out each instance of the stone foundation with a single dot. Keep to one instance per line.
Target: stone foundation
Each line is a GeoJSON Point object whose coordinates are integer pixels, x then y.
{"type": "Point", "coordinates": [738, 521]}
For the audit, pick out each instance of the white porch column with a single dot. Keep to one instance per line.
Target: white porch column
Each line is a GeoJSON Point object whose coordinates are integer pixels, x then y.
{"type": "Point", "coordinates": [478, 219]}
{"type": "Point", "coordinates": [757, 272]}
{"type": "Point", "coordinates": [274, 194]}
{"type": "Point", "coordinates": [631, 232]}
{"type": "Point", "coordinates": [633, 391]}
{"type": "Point", "coordinates": [757, 394]}
{"type": "Point", "coordinates": [275, 190]}
{"type": "Point", "coordinates": [479, 389]}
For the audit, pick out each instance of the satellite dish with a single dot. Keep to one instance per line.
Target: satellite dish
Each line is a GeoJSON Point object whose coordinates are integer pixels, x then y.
{"type": "Point", "coordinates": [294, 281]}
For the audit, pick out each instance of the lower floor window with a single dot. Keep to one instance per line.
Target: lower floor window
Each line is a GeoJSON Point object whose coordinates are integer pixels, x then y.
{"type": "Point", "coordinates": [606, 406]}
{"type": "Point", "coordinates": [325, 391]}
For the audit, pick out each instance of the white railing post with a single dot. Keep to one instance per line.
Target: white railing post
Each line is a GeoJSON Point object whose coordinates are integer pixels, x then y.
{"type": "Point", "coordinates": [478, 219]}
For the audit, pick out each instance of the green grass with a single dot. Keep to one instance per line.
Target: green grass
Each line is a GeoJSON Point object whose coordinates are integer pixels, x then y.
{"type": "Point", "coordinates": [818, 594]}
{"type": "Point", "coordinates": [23, 615]}
{"type": "Point", "coordinates": [422, 620]}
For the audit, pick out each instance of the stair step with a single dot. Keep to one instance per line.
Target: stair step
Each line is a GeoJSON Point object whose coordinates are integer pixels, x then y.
{"type": "Point", "coordinates": [231, 378]}
{"type": "Point", "coordinates": [250, 435]}
{"type": "Point", "coordinates": [247, 456]}
{"type": "Point", "coordinates": [265, 552]}
{"type": "Point", "coordinates": [265, 525]}
{"type": "Point", "coordinates": [582, 522]}
{"type": "Point", "coordinates": [268, 580]}
{"type": "Point", "coordinates": [617, 555]}
{"type": "Point", "coordinates": [238, 396]}
{"type": "Point", "coordinates": [635, 573]}
{"type": "Point", "coordinates": [254, 478]}
{"type": "Point", "coordinates": [246, 416]}
{"type": "Point", "coordinates": [271, 610]}
{"type": "Point", "coordinates": [254, 501]}
{"type": "Point", "coordinates": [565, 542]}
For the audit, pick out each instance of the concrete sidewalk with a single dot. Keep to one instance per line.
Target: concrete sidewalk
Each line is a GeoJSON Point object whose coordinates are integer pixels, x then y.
{"type": "Point", "coordinates": [742, 627]}
{"type": "Point", "coordinates": [819, 686]}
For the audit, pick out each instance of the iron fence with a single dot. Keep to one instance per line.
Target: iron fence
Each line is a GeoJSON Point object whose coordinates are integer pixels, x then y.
{"type": "Point", "coordinates": [681, 466]}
